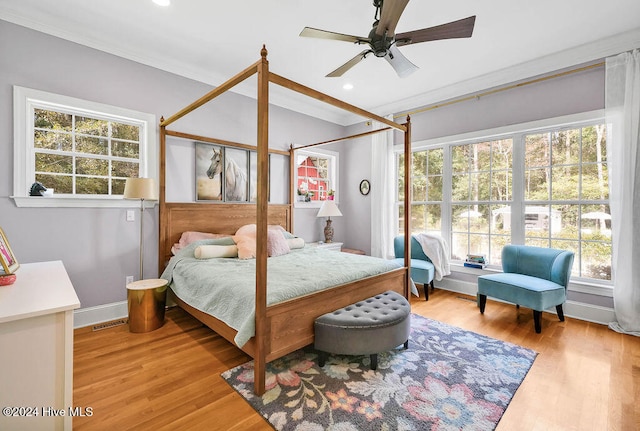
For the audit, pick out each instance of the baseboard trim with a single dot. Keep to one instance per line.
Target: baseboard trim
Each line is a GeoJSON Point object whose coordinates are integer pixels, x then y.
{"type": "Point", "coordinates": [591, 313]}
{"type": "Point", "coordinates": [572, 309]}
{"type": "Point", "coordinates": [99, 314]}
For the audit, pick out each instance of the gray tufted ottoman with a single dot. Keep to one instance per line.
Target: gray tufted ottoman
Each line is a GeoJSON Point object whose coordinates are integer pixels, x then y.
{"type": "Point", "coordinates": [368, 327]}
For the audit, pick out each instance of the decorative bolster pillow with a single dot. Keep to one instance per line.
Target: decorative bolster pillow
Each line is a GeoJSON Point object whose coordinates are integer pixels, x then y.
{"type": "Point", "coordinates": [211, 251]}
{"type": "Point", "coordinates": [295, 243]}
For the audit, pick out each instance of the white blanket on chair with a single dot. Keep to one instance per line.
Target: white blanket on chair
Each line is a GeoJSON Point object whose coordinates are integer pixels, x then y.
{"type": "Point", "coordinates": [437, 251]}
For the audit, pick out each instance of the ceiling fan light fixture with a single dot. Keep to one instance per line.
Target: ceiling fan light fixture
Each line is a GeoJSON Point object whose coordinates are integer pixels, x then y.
{"type": "Point", "coordinates": [348, 86]}
{"type": "Point", "coordinates": [163, 3]}
{"type": "Point", "coordinates": [383, 41]}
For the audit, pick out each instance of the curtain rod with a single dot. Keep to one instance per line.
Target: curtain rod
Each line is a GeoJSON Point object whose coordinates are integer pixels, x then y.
{"type": "Point", "coordinates": [498, 90]}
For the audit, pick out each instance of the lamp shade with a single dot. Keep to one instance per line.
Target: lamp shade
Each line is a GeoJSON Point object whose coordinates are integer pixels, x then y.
{"type": "Point", "coordinates": [141, 188]}
{"type": "Point", "coordinates": [329, 209]}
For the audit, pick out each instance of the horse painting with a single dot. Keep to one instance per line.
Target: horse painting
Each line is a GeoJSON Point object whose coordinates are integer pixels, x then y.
{"type": "Point", "coordinates": [235, 177]}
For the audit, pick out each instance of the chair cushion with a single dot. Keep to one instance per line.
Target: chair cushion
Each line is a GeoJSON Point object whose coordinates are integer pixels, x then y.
{"type": "Point", "coordinates": [422, 271]}
{"type": "Point", "coordinates": [532, 292]}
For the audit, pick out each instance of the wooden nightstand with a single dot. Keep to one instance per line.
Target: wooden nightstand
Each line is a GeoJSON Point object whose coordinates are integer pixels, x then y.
{"type": "Point", "coordinates": [333, 246]}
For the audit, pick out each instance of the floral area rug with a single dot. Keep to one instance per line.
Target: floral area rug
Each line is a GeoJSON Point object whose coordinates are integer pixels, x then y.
{"type": "Point", "coordinates": [448, 379]}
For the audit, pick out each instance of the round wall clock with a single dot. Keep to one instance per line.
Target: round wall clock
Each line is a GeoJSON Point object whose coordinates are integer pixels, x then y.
{"type": "Point", "coordinates": [365, 187]}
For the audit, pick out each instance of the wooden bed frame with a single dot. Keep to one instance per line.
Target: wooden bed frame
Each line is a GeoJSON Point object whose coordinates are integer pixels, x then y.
{"type": "Point", "coordinates": [275, 336]}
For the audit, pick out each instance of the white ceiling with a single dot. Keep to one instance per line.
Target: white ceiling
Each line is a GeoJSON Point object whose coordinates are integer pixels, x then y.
{"type": "Point", "coordinates": [211, 41]}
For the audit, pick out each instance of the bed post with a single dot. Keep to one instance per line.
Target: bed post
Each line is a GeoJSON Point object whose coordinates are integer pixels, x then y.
{"type": "Point", "coordinates": [407, 204]}
{"type": "Point", "coordinates": [162, 235]}
{"type": "Point", "coordinates": [259, 360]}
{"type": "Point", "coordinates": [293, 187]}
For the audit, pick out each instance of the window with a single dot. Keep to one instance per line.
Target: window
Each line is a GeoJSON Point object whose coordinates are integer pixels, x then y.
{"type": "Point", "coordinates": [541, 184]}
{"type": "Point", "coordinates": [82, 150]}
{"type": "Point", "coordinates": [316, 177]}
{"type": "Point", "coordinates": [426, 189]}
{"type": "Point", "coordinates": [481, 198]}
{"type": "Point", "coordinates": [566, 196]}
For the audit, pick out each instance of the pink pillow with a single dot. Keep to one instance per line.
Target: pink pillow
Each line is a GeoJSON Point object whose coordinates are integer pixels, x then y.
{"type": "Point", "coordinates": [188, 237]}
{"type": "Point", "coordinates": [277, 244]}
{"type": "Point", "coordinates": [245, 239]}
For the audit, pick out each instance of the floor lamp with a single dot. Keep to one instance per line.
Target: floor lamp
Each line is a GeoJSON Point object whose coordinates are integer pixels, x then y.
{"type": "Point", "coordinates": [142, 189]}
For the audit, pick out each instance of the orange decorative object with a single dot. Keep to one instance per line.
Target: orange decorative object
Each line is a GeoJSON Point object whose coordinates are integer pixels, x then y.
{"type": "Point", "coordinates": [7, 279]}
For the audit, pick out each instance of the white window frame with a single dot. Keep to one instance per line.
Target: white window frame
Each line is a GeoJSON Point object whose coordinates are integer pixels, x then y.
{"type": "Point", "coordinates": [25, 100]}
{"type": "Point", "coordinates": [582, 285]}
{"type": "Point", "coordinates": [334, 158]}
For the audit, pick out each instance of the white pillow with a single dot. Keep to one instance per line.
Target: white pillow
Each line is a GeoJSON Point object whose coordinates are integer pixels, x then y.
{"type": "Point", "coordinates": [295, 243]}
{"type": "Point", "coordinates": [211, 251]}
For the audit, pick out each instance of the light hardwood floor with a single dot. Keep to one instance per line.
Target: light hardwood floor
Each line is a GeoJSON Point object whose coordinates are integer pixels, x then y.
{"type": "Point", "coordinates": [586, 377]}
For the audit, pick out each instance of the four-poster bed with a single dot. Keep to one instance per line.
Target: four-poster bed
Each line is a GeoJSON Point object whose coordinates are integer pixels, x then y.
{"type": "Point", "coordinates": [275, 334]}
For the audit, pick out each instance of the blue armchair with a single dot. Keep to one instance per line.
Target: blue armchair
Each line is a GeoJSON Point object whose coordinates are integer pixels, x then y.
{"type": "Point", "coordinates": [533, 277]}
{"type": "Point", "coordinates": [422, 270]}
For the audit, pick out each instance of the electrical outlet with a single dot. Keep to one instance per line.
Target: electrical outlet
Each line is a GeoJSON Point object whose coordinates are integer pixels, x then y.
{"type": "Point", "coordinates": [131, 215]}
{"type": "Point", "coordinates": [128, 279]}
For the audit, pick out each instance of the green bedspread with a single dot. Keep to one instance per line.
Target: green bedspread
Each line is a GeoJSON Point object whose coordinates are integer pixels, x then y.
{"type": "Point", "coordinates": [225, 287]}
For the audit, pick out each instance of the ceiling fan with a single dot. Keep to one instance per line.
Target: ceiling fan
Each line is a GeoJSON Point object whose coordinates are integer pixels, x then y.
{"type": "Point", "coordinates": [383, 41]}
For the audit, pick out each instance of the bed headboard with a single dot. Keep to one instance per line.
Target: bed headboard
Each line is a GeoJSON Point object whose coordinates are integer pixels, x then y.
{"type": "Point", "coordinates": [176, 218]}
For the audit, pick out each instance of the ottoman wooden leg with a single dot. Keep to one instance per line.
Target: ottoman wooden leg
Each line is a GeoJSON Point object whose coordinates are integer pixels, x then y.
{"type": "Point", "coordinates": [374, 361]}
{"type": "Point", "coordinates": [322, 357]}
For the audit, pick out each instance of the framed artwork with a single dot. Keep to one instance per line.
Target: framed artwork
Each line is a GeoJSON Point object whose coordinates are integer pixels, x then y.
{"type": "Point", "coordinates": [236, 175]}
{"type": "Point", "coordinates": [226, 174]}
{"type": "Point", "coordinates": [7, 258]}
{"type": "Point", "coordinates": [209, 162]}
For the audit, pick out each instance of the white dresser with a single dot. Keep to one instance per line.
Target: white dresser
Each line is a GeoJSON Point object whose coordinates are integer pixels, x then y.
{"type": "Point", "coordinates": [36, 349]}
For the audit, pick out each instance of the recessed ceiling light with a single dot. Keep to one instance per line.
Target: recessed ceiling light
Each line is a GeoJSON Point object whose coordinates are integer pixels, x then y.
{"type": "Point", "coordinates": [162, 2]}
{"type": "Point", "coordinates": [348, 86]}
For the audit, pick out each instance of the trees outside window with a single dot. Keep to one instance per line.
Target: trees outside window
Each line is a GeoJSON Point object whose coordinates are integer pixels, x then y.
{"type": "Point", "coordinates": [481, 185]}
{"type": "Point", "coordinates": [566, 178]}
{"type": "Point", "coordinates": [82, 150]}
{"type": "Point", "coordinates": [82, 154]}
{"type": "Point", "coordinates": [541, 187]}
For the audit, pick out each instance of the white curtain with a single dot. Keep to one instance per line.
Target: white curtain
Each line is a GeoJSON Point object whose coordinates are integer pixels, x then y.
{"type": "Point", "coordinates": [382, 193]}
{"type": "Point", "coordinates": [622, 107]}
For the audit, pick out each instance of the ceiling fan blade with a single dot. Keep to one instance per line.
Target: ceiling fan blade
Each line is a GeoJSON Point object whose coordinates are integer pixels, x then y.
{"type": "Point", "coordinates": [453, 30]}
{"type": "Point", "coordinates": [324, 34]}
{"type": "Point", "coordinates": [399, 62]}
{"type": "Point", "coordinates": [348, 65]}
{"type": "Point", "coordinates": [390, 15]}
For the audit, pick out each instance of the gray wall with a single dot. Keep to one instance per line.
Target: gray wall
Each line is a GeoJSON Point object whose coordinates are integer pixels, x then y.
{"type": "Point", "coordinates": [571, 94]}
{"type": "Point", "coordinates": [97, 246]}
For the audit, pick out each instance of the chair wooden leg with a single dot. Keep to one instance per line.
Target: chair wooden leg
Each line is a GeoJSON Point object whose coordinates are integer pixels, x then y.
{"type": "Point", "coordinates": [432, 286]}
{"type": "Point", "coordinates": [483, 302]}
{"type": "Point", "coordinates": [426, 292]}
{"type": "Point", "coordinates": [406, 345]}
{"type": "Point", "coordinates": [560, 312]}
{"type": "Point", "coordinates": [537, 317]}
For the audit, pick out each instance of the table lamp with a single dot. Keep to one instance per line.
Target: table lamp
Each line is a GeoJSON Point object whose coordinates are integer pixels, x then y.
{"type": "Point", "coordinates": [143, 189]}
{"type": "Point", "coordinates": [329, 209]}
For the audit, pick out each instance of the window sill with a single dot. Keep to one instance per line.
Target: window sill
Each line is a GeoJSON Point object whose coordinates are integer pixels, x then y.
{"type": "Point", "coordinates": [78, 202]}
{"type": "Point", "coordinates": [575, 285]}
{"type": "Point", "coordinates": [312, 204]}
